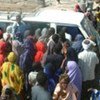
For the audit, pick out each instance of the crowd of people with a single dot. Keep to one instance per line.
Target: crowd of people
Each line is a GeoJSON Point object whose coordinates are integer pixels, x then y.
{"type": "Point", "coordinates": [45, 65]}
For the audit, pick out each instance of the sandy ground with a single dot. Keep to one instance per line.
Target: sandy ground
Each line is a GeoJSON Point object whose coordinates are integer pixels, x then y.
{"type": "Point", "coordinates": [24, 6]}
{"type": "Point", "coordinates": [31, 6]}
{"type": "Point", "coordinates": [28, 7]}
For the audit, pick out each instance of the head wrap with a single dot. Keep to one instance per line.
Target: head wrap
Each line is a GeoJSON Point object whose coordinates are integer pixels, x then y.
{"type": "Point", "coordinates": [9, 29]}
{"type": "Point", "coordinates": [43, 34]}
{"type": "Point", "coordinates": [38, 33]}
{"type": "Point", "coordinates": [32, 76]}
{"type": "Point", "coordinates": [86, 44]}
{"type": "Point", "coordinates": [26, 33]}
{"type": "Point", "coordinates": [11, 57]}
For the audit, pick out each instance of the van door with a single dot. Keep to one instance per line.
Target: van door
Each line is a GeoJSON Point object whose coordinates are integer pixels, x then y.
{"type": "Point", "coordinates": [32, 26]}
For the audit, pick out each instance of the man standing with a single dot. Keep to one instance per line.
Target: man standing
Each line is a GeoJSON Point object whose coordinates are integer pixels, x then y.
{"type": "Point", "coordinates": [87, 62]}
{"type": "Point", "coordinates": [18, 28]}
{"type": "Point", "coordinates": [39, 91]}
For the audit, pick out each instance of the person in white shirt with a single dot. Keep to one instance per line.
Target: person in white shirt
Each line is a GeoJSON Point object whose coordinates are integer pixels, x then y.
{"type": "Point", "coordinates": [87, 62]}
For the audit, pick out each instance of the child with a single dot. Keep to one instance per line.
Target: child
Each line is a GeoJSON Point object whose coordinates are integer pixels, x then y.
{"type": "Point", "coordinates": [65, 90]}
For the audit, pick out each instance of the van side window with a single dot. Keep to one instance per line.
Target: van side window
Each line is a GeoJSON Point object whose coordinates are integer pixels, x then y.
{"type": "Point", "coordinates": [4, 25]}
{"type": "Point", "coordinates": [34, 25]}
{"type": "Point", "coordinates": [72, 30]}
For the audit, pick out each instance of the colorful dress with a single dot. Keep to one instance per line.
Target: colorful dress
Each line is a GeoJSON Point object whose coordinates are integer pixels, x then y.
{"type": "Point", "coordinates": [12, 76]}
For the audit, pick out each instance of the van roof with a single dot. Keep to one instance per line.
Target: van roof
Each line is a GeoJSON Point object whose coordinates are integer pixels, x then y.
{"type": "Point", "coordinates": [58, 16]}
{"type": "Point", "coordinates": [45, 15]}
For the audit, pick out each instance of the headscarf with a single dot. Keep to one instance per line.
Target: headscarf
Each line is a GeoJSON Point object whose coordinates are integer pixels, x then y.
{"type": "Point", "coordinates": [11, 57]}
{"type": "Point", "coordinates": [32, 77]}
{"type": "Point", "coordinates": [49, 71]}
{"type": "Point", "coordinates": [86, 44]}
{"type": "Point", "coordinates": [26, 58]}
{"type": "Point", "coordinates": [26, 33]}
{"type": "Point", "coordinates": [8, 34]}
{"type": "Point", "coordinates": [37, 33]}
{"type": "Point", "coordinates": [43, 36]}
{"type": "Point", "coordinates": [28, 45]}
{"type": "Point", "coordinates": [75, 75]}
{"type": "Point", "coordinates": [17, 48]}
{"type": "Point", "coordinates": [77, 44]}
{"type": "Point", "coordinates": [9, 29]}
{"type": "Point", "coordinates": [41, 48]}
{"type": "Point", "coordinates": [12, 74]}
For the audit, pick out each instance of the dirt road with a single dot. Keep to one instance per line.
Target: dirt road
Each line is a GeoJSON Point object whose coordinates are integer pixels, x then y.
{"type": "Point", "coordinates": [28, 7]}
{"type": "Point", "coordinates": [24, 6]}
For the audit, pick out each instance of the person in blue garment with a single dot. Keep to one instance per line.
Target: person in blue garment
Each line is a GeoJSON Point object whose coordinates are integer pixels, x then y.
{"type": "Point", "coordinates": [18, 28]}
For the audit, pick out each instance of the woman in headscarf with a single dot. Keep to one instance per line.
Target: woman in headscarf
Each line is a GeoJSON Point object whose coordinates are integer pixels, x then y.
{"type": "Point", "coordinates": [26, 60]}
{"type": "Point", "coordinates": [7, 38]}
{"type": "Point", "coordinates": [77, 44]}
{"type": "Point", "coordinates": [74, 72]}
{"type": "Point", "coordinates": [12, 74]}
{"type": "Point", "coordinates": [37, 33]}
{"type": "Point", "coordinates": [50, 70]}
{"type": "Point", "coordinates": [43, 35]}
{"type": "Point", "coordinates": [26, 34]}
{"type": "Point", "coordinates": [40, 50]}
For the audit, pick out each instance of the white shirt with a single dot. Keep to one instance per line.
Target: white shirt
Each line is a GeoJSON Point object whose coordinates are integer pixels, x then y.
{"type": "Point", "coordinates": [87, 63]}
{"type": "Point", "coordinates": [68, 36]}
